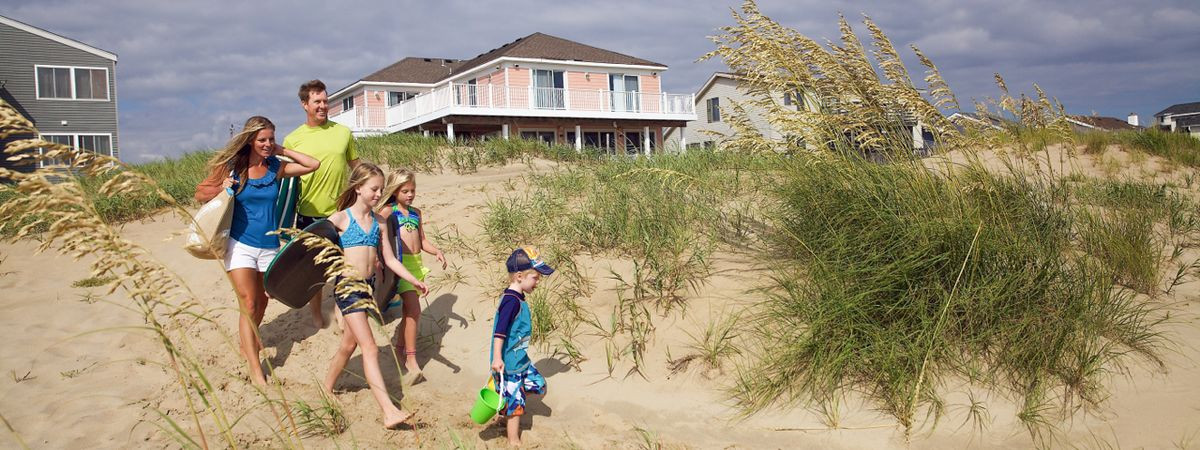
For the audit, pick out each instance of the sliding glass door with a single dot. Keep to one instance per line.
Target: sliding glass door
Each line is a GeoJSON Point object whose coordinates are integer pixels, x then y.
{"type": "Point", "coordinates": [624, 92]}
{"type": "Point", "coordinates": [548, 89]}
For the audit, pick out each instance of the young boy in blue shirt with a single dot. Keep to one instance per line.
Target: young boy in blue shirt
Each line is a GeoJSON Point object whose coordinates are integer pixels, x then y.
{"type": "Point", "coordinates": [510, 339]}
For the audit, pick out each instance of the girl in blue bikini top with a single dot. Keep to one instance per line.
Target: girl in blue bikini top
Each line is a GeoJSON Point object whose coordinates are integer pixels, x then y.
{"type": "Point", "coordinates": [365, 188]}
{"type": "Point", "coordinates": [354, 236]}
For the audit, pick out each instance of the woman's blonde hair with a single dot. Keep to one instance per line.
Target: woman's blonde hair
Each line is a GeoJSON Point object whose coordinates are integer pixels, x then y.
{"type": "Point", "coordinates": [358, 177]}
{"type": "Point", "coordinates": [235, 156]}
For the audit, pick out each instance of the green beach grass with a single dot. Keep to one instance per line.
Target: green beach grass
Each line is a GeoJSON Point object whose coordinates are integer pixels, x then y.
{"type": "Point", "coordinates": [887, 276]}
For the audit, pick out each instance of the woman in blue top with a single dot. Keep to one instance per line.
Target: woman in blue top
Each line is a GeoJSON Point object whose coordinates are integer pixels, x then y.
{"type": "Point", "coordinates": [251, 156]}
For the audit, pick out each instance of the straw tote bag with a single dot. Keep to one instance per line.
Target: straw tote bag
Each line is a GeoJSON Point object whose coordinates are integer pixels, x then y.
{"type": "Point", "coordinates": [209, 231]}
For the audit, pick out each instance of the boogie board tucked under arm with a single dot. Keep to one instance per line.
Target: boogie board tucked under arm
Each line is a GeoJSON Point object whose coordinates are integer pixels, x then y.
{"type": "Point", "coordinates": [285, 205]}
{"type": "Point", "coordinates": [294, 277]}
{"type": "Point", "coordinates": [385, 285]}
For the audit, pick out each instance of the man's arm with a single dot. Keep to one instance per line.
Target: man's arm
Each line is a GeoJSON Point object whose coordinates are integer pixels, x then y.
{"type": "Point", "coordinates": [353, 164]}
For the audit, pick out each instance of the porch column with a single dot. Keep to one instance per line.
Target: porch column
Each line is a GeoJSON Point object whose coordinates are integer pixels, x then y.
{"type": "Point", "coordinates": [450, 132]}
{"type": "Point", "coordinates": [578, 138]}
{"type": "Point", "coordinates": [425, 133]}
{"type": "Point", "coordinates": [646, 140]}
{"type": "Point", "coordinates": [504, 130]}
{"type": "Point", "coordinates": [682, 139]}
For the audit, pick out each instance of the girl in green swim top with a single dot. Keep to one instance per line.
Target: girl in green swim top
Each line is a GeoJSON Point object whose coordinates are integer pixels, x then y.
{"type": "Point", "coordinates": [410, 242]}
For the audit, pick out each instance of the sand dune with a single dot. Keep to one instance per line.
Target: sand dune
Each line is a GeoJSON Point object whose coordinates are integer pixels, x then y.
{"type": "Point", "coordinates": [91, 383]}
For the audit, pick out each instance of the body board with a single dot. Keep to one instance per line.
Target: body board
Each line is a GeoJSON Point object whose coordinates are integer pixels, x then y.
{"type": "Point", "coordinates": [285, 205]}
{"type": "Point", "coordinates": [385, 283]}
{"type": "Point", "coordinates": [294, 277]}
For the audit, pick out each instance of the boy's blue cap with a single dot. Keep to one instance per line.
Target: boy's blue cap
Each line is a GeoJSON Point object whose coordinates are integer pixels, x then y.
{"type": "Point", "coordinates": [526, 258]}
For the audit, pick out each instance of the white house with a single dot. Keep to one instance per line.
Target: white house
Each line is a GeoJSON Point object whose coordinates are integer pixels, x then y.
{"type": "Point", "coordinates": [1181, 118]}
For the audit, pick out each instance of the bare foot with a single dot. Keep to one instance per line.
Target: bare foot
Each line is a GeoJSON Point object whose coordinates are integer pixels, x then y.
{"type": "Point", "coordinates": [415, 374]}
{"type": "Point", "coordinates": [394, 420]}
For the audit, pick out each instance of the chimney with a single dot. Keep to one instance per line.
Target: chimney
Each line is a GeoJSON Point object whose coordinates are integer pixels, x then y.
{"type": "Point", "coordinates": [1133, 119]}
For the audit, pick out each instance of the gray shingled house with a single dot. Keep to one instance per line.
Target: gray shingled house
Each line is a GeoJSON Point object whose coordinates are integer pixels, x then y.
{"type": "Point", "coordinates": [65, 87]}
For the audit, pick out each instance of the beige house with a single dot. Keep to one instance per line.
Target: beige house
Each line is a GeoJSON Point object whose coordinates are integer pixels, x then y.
{"type": "Point", "coordinates": [714, 100]}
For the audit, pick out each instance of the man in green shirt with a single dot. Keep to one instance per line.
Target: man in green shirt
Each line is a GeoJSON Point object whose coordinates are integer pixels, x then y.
{"type": "Point", "coordinates": [333, 145]}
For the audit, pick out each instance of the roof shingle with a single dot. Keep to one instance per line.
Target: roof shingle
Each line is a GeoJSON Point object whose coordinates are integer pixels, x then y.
{"type": "Point", "coordinates": [1106, 123]}
{"type": "Point", "coordinates": [415, 70]}
{"type": "Point", "coordinates": [1182, 108]}
{"type": "Point", "coordinates": [544, 46]}
{"type": "Point", "coordinates": [536, 45]}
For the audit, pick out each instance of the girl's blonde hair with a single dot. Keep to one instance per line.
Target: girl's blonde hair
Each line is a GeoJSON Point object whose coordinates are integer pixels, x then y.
{"type": "Point", "coordinates": [235, 156]}
{"type": "Point", "coordinates": [397, 178]}
{"type": "Point", "coordinates": [365, 171]}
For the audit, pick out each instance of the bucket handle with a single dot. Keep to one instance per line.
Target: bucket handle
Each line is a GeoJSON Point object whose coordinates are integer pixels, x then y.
{"type": "Point", "coordinates": [500, 385]}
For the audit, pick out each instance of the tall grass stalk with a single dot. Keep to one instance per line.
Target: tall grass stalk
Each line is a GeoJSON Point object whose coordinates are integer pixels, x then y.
{"type": "Point", "coordinates": [893, 278]}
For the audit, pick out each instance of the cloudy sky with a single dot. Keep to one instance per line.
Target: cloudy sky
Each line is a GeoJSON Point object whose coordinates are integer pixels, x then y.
{"type": "Point", "coordinates": [188, 69]}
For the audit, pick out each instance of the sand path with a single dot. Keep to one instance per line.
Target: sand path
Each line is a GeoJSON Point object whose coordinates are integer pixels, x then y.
{"type": "Point", "coordinates": [86, 388]}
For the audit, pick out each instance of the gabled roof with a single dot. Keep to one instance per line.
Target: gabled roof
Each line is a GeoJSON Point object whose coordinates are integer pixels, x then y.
{"type": "Point", "coordinates": [58, 38]}
{"type": "Point", "coordinates": [415, 70]}
{"type": "Point", "coordinates": [1182, 108]}
{"type": "Point", "coordinates": [713, 79]}
{"type": "Point", "coordinates": [987, 119]}
{"type": "Point", "coordinates": [1103, 123]}
{"type": "Point", "coordinates": [544, 46]}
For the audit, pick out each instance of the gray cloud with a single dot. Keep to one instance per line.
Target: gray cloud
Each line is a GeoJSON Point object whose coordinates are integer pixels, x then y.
{"type": "Point", "coordinates": [189, 69]}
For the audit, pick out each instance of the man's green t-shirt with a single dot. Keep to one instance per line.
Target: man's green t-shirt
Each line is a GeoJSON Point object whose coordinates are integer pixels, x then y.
{"type": "Point", "coordinates": [332, 145]}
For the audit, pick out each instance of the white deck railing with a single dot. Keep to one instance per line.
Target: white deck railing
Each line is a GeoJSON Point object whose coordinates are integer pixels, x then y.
{"type": "Point", "coordinates": [499, 100]}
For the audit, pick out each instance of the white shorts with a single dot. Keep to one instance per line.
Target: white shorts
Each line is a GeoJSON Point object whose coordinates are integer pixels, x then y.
{"type": "Point", "coordinates": [242, 256]}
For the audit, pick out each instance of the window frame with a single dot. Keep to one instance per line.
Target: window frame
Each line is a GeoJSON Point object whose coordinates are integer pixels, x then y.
{"type": "Point", "coordinates": [75, 142]}
{"type": "Point", "coordinates": [400, 96]}
{"type": "Point", "coordinates": [713, 109]}
{"type": "Point", "coordinates": [37, 84]}
{"type": "Point", "coordinates": [349, 99]}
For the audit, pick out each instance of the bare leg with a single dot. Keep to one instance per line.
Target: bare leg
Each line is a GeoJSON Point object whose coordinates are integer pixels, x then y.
{"type": "Point", "coordinates": [340, 358]}
{"type": "Point", "coordinates": [314, 307]}
{"type": "Point", "coordinates": [514, 431]}
{"type": "Point", "coordinates": [410, 324]}
{"type": "Point", "coordinates": [358, 327]}
{"type": "Point", "coordinates": [252, 303]}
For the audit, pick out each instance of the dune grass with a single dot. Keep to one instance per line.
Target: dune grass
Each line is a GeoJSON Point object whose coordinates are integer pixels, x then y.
{"type": "Point", "coordinates": [894, 279]}
{"type": "Point", "coordinates": [890, 279]}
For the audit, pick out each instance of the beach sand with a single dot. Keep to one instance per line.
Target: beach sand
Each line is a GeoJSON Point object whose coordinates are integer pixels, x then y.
{"type": "Point", "coordinates": [80, 372]}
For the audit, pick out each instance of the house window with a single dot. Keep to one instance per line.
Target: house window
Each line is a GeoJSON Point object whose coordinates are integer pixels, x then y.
{"type": "Point", "coordinates": [64, 139]}
{"type": "Point", "coordinates": [548, 89]}
{"type": "Point", "coordinates": [72, 83]}
{"type": "Point", "coordinates": [97, 143]}
{"type": "Point", "coordinates": [348, 103]}
{"type": "Point", "coordinates": [713, 107]}
{"type": "Point", "coordinates": [395, 97]}
{"type": "Point", "coordinates": [545, 137]}
{"type": "Point", "coordinates": [793, 98]}
{"type": "Point", "coordinates": [624, 92]}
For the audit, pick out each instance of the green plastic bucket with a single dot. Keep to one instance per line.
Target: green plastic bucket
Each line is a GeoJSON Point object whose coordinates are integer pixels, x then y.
{"type": "Point", "coordinates": [486, 405]}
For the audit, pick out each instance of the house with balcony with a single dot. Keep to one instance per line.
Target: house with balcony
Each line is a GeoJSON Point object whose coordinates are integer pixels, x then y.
{"type": "Point", "coordinates": [65, 87]}
{"type": "Point", "coordinates": [537, 87]}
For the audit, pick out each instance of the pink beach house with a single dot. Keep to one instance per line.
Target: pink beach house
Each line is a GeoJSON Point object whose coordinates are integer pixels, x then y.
{"type": "Point", "coordinates": [536, 87]}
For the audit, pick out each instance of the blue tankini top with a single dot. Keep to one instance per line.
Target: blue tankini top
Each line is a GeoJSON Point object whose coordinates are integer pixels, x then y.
{"type": "Point", "coordinates": [254, 209]}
